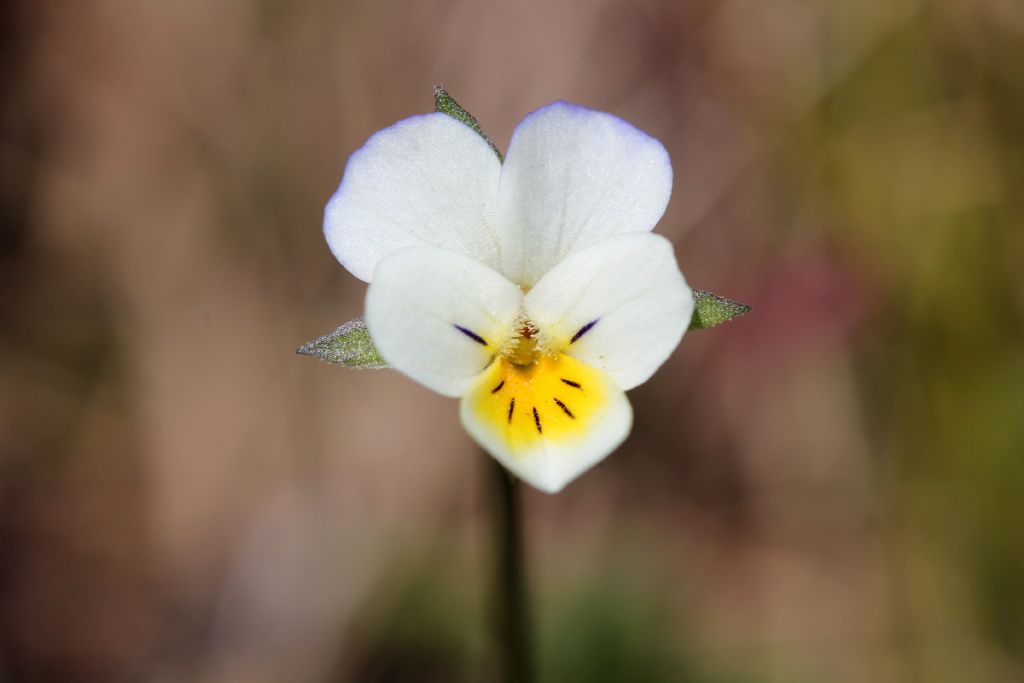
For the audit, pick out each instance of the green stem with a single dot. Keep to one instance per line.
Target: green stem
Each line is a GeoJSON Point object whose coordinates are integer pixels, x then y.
{"type": "Point", "coordinates": [514, 656]}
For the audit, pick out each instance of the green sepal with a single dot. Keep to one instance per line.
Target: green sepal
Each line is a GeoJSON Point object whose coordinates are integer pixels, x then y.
{"type": "Point", "coordinates": [446, 104]}
{"type": "Point", "coordinates": [710, 310]}
{"type": "Point", "coordinates": [348, 345]}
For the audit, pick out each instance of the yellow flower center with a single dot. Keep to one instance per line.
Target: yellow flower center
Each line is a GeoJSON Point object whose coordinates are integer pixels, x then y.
{"type": "Point", "coordinates": [526, 396]}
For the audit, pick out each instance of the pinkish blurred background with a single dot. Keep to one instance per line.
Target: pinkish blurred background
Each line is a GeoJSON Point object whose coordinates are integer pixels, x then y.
{"type": "Point", "coordinates": [830, 489]}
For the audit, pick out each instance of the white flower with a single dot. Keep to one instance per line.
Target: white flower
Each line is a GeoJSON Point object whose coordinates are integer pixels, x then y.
{"type": "Point", "coordinates": [534, 289]}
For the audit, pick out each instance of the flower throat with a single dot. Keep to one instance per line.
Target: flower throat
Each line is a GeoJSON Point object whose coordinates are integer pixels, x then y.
{"type": "Point", "coordinates": [523, 350]}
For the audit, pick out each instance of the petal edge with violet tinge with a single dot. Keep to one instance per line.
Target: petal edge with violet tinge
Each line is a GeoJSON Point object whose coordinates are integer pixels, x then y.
{"type": "Point", "coordinates": [427, 180]}
{"type": "Point", "coordinates": [549, 422]}
{"type": "Point", "coordinates": [439, 317]}
{"type": "Point", "coordinates": [572, 177]}
{"type": "Point", "coordinates": [621, 306]}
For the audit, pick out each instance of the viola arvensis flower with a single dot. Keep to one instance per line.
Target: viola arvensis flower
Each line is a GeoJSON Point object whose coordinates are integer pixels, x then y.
{"type": "Point", "coordinates": [533, 289]}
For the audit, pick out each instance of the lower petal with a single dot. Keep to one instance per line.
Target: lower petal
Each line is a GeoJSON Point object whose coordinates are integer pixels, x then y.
{"type": "Point", "coordinates": [548, 422]}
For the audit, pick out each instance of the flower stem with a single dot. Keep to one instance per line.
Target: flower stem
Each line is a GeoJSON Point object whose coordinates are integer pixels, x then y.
{"type": "Point", "coordinates": [514, 656]}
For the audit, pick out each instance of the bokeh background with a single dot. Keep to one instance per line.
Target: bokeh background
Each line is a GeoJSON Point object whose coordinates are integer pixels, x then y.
{"type": "Point", "coordinates": [829, 489]}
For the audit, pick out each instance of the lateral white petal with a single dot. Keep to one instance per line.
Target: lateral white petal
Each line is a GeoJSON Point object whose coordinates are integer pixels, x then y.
{"type": "Point", "coordinates": [574, 176]}
{"type": "Point", "coordinates": [621, 305]}
{"type": "Point", "coordinates": [548, 459]}
{"type": "Point", "coordinates": [439, 316]}
{"type": "Point", "coordinates": [425, 181]}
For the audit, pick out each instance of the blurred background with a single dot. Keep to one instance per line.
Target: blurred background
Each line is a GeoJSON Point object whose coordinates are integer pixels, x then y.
{"type": "Point", "coordinates": [829, 489]}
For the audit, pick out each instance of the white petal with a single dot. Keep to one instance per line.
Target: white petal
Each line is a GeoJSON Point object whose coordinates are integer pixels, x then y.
{"type": "Point", "coordinates": [572, 177]}
{"type": "Point", "coordinates": [547, 423]}
{"type": "Point", "coordinates": [425, 181]}
{"type": "Point", "coordinates": [439, 317]}
{"type": "Point", "coordinates": [624, 302]}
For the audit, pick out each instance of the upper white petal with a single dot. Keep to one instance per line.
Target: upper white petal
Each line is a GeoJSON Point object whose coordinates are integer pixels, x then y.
{"type": "Point", "coordinates": [630, 287]}
{"type": "Point", "coordinates": [426, 180]}
{"type": "Point", "coordinates": [418, 300]}
{"type": "Point", "coordinates": [574, 176]}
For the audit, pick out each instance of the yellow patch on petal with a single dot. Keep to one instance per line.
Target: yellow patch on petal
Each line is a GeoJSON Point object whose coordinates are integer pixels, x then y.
{"type": "Point", "coordinates": [556, 398]}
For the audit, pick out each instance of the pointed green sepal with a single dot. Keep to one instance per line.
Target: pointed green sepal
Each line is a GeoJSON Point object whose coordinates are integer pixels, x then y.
{"type": "Point", "coordinates": [348, 345]}
{"type": "Point", "coordinates": [710, 310]}
{"type": "Point", "coordinates": [446, 104]}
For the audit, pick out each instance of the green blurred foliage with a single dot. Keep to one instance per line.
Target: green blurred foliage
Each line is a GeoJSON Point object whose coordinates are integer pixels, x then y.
{"type": "Point", "coordinates": [920, 167]}
{"type": "Point", "coordinates": [614, 628]}
{"type": "Point", "coordinates": [424, 624]}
